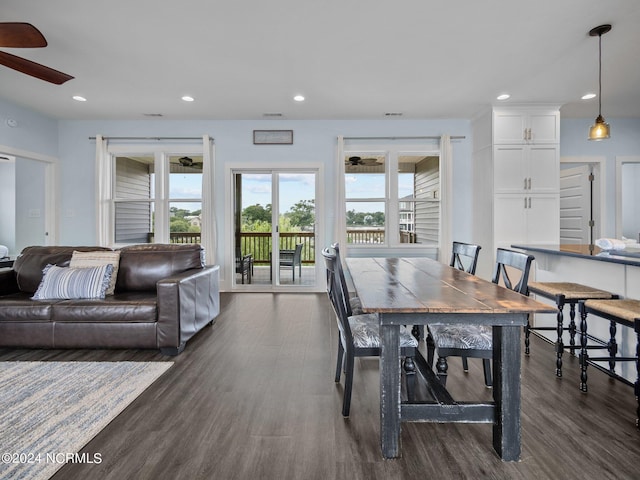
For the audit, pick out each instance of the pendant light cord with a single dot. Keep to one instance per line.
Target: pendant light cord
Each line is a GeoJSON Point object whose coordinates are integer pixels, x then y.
{"type": "Point", "coordinates": [600, 74]}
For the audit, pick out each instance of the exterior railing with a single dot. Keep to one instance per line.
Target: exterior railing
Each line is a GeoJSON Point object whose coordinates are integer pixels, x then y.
{"type": "Point", "coordinates": [259, 244]}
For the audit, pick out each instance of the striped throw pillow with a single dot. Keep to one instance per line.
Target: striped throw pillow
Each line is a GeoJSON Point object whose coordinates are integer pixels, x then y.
{"type": "Point", "coordinates": [96, 259]}
{"type": "Point", "coordinates": [60, 283]}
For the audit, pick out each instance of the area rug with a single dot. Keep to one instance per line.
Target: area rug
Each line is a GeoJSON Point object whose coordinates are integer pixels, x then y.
{"type": "Point", "coordinates": [50, 410]}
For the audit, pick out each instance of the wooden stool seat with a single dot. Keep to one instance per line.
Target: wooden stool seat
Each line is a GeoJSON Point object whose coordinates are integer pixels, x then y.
{"type": "Point", "coordinates": [570, 291]}
{"type": "Point", "coordinates": [563, 293]}
{"type": "Point", "coordinates": [624, 312]}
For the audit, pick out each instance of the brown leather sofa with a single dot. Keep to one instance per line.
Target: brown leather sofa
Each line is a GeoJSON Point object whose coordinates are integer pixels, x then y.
{"type": "Point", "coordinates": [164, 295]}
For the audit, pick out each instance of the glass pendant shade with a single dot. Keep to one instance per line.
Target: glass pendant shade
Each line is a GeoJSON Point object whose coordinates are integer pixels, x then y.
{"type": "Point", "coordinates": [599, 130]}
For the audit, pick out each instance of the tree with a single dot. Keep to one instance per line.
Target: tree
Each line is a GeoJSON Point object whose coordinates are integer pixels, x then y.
{"type": "Point", "coordinates": [302, 214]}
{"type": "Point", "coordinates": [256, 213]}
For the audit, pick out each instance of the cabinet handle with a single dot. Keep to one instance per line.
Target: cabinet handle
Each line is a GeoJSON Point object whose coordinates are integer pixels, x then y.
{"type": "Point", "coordinates": [529, 136]}
{"type": "Point", "coordinates": [529, 202]}
{"type": "Point", "coordinates": [524, 134]}
{"type": "Point", "coordinates": [525, 183]}
{"type": "Point", "coordinates": [529, 183]}
{"type": "Point", "coordinates": [525, 202]}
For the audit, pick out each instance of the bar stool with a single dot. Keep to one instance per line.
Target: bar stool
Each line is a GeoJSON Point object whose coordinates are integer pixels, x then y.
{"type": "Point", "coordinates": [563, 293]}
{"type": "Point", "coordinates": [624, 312]}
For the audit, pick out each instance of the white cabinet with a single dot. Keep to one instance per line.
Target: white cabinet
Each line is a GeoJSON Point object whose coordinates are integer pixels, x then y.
{"type": "Point", "coordinates": [531, 126]}
{"type": "Point", "coordinates": [529, 219]}
{"type": "Point", "coordinates": [517, 172]}
{"type": "Point", "coordinates": [526, 169]}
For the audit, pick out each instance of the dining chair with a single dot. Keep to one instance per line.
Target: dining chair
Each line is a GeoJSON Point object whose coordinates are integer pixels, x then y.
{"type": "Point", "coordinates": [464, 256]}
{"type": "Point", "coordinates": [291, 259]}
{"type": "Point", "coordinates": [352, 303]}
{"type": "Point", "coordinates": [476, 340]}
{"type": "Point", "coordinates": [360, 335]}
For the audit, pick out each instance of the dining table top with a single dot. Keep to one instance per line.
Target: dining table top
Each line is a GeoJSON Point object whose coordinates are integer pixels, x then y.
{"type": "Point", "coordinates": [423, 285]}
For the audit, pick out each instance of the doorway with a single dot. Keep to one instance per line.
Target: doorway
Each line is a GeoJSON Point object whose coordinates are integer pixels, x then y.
{"type": "Point", "coordinates": [275, 229]}
{"type": "Point", "coordinates": [581, 200]}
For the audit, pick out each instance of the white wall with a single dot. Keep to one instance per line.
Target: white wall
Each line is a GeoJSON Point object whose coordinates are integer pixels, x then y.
{"type": "Point", "coordinates": [315, 141]}
{"type": "Point", "coordinates": [624, 141]}
{"type": "Point", "coordinates": [8, 205]}
{"type": "Point", "coordinates": [631, 200]}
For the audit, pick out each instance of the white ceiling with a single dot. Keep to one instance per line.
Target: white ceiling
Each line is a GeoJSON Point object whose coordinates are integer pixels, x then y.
{"type": "Point", "coordinates": [351, 59]}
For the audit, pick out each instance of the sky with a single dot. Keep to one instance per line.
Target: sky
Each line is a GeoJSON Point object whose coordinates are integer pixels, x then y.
{"type": "Point", "coordinates": [293, 187]}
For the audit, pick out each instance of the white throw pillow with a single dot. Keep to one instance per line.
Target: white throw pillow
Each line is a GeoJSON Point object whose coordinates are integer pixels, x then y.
{"type": "Point", "coordinates": [62, 283]}
{"type": "Point", "coordinates": [96, 259]}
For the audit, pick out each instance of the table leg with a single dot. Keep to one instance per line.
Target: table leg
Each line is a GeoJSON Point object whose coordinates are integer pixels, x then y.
{"type": "Point", "coordinates": [506, 392]}
{"type": "Point", "coordinates": [390, 390]}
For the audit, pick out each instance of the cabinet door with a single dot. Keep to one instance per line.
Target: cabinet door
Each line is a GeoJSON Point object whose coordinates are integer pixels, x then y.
{"type": "Point", "coordinates": [543, 219]}
{"type": "Point", "coordinates": [509, 220]}
{"type": "Point", "coordinates": [509, 127]}
{"type": "Point", "coordinates": [543, 169]}
{"type": "Point", "coordinates": [509, 169]}
{"type": "Point", "coordinates": [544, 127]}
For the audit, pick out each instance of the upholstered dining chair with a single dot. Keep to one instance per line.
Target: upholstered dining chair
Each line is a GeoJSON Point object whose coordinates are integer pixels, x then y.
{"type": "Point", "coordinates": [352, 303]}
{"type": "Point", "coordinates": [464, 256]}
{"type": "Point", "coordinates": [360, 336]}
{"type": "Point", "coordinates": [475, 340]}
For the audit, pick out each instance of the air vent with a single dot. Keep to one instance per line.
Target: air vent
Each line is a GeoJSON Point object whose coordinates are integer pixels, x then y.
{"type": "Point", "coordinates": [152, 114]}
{"type": "Point", "coordinates": [273, 115]}
{"type": "Point", "coordinates": [393, 114]}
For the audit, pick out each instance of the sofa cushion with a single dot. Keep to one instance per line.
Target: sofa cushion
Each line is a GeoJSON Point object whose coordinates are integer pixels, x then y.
{"type": "Point", "coordinates": [32, 260]}
{"type": "Point", "coordinates": [96, 259]}
{"type": "Point", "coordinates": [142, 266]}
{"type": "Point", "coordinates": [121, 308]}
{"type": "Point", "coordinates": [64, 282]}
{"type": "Point", "coordinates": [19, 307]}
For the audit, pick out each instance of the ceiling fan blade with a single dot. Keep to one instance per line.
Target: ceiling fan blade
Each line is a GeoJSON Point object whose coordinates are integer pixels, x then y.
{"type": "Point", "coordinates": [34, 69]}
{"type": "Point", "coordinates": [20, 35]}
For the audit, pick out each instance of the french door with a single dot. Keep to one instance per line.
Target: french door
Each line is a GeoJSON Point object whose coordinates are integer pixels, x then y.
{"type": "Point", "coordinates": [275, 228]}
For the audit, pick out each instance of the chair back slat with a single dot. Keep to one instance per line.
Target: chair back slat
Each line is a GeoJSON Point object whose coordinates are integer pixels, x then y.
{"type": "Point", "coordinates": [516, 260]}
{"type": "Point", "coordinates": [336, 294]}
{"type": "Point", "coordinates": [467, 250]}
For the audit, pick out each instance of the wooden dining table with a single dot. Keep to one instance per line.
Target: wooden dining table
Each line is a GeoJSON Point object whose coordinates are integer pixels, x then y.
{"type": "Point", "coordinates": [421, 291]}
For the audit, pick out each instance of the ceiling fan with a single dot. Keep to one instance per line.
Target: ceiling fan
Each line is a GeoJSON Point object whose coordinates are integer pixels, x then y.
{"type": "Point", "coordinates": [188, 162]}
{"type": "Point", "coordinates": [353, 161]}
{"type": "Point", "coordinates": [25, 35]}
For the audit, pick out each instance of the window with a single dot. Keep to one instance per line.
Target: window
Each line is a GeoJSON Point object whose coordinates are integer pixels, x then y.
{"type": "Point", "coordinates": [157, 197]}
{"type": "Point", "coordinates": [392, 196]}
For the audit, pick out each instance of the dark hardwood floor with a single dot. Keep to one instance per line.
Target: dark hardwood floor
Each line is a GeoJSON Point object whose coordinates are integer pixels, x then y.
{"type": "Point", "coordinates": [253, 397]}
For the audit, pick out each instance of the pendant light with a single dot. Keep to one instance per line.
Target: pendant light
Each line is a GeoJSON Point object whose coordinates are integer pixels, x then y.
{"type": "Point", "coordinates": [600, 129]}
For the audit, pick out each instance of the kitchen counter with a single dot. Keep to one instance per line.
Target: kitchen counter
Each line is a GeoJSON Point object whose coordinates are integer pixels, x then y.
{"type": "Point", "coordinates": [628, 256]}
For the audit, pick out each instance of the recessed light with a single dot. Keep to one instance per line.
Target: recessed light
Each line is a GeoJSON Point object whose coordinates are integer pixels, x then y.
{"type": "Point", "coordinates": [187, 98]}
{"type": "Point", "coordinates": [78, 98]}
{"type": "Point", "coordinates": [588, 96]}
{"type": "Point", "coordinates": [504, 96]}
{"type": "Point", "coordinates": [299, 98]}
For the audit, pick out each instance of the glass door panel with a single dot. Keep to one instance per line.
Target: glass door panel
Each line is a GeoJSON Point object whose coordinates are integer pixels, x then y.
{"type": "Point", "coordinates": [290, 227]}
{"type": "Point", "coordinates": [296, 228]}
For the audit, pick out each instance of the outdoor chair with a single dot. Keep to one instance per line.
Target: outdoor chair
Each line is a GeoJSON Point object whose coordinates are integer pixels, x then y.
{"type": "Point", "coordinates": [291, 259]}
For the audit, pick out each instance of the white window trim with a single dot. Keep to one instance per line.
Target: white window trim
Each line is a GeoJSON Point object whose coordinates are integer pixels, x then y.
{"type": "Point", "coordinates": [161, 208]}
{"type": "Point", "coordinates": [392, 150]}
